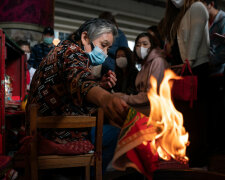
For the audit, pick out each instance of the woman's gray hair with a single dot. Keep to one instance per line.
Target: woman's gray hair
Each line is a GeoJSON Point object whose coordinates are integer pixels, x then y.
{"type": "Point", "coordinates": [95, 28]}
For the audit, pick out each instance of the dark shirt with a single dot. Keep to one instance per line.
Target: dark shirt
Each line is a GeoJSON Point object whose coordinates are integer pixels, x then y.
{"type": "Point", "coordinates": [38, 52]}
{"type": "Point", "coordinates": [175, 58]}
{"type": "Point", "coordinates": [126, 84]}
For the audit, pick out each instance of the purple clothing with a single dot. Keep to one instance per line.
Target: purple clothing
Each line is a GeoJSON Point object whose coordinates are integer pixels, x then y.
{"type": "Point", "coordinates": [155, 65]}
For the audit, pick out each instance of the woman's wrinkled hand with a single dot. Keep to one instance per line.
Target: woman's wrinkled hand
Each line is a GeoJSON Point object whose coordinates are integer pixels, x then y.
{"type": "Point", "coordinates": [108, 80]}
{"type": "Point", "coordinates": [115, 109]}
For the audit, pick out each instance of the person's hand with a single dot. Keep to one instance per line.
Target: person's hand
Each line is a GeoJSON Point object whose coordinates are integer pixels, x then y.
{"type": "Point", "coordinates": [218, 38]}
{"type": "Point", "coordinates": [108, 80]}
{"type": "Point", "coordinates": [115, 109]}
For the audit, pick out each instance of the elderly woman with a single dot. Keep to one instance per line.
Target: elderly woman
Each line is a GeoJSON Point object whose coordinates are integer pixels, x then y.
{"type": "Point", "coordinates": [63, 83]}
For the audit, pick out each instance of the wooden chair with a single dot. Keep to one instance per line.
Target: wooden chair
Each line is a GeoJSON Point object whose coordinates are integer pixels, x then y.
{"type": "Point", "coordinates": [58, 161]}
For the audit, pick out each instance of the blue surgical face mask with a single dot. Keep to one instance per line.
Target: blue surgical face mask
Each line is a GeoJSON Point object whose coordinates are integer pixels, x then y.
{"type": "Point", "coordinates": [48, 40]}
{"type": "Point", "coordinates": [97, 56]}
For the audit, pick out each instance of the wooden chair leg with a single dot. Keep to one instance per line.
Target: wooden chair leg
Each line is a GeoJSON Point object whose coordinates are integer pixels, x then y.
{"type": "Point", "coordinates": [87, 172]}
{"type": "Point", "coordinates": [27, 171]}
{"type": "Point", "coordinates": [33, 145]}
{"type": "Point", "coordinates": [98, 158]}
{"type": "Point", "coordinates": [98, 169]}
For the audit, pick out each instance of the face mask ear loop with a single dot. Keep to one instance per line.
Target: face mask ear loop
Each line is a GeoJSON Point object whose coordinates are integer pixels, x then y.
{"type": "Point", "coordinates": [92, 46]}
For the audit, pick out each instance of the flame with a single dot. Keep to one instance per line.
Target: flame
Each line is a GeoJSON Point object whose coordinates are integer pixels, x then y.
{"type": "Point", "coordinates": [172, 138]}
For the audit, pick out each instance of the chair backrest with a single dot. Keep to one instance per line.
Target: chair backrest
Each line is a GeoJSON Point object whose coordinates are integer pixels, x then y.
{"type": "Point", "coordinates": [37, 121]}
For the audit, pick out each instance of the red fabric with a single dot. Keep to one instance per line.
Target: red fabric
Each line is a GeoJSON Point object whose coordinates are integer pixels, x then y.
{"type": "Point", "coordinates": [132, 152]}
{"type": "Point", "coordinates": [28, 77]}
{"type": "Point", "coordinates": [186, 88]}
{"type": "Point", "coordinates": [143, 158]}
{"type": "Point", "coordinates": [4, 161]}
{"type": "Point", "coordinates": [76, 147]}
{"type": "Point", "coordinates": [172, 164]}
{"type": "Point", "coordinates": [47, 147]}
{"type": "Point", "coordinates": [0, 144]}
{"type": "Point", "coordinates": [130, 144]}
{"type": "Point", "coordinates": [28, 11]}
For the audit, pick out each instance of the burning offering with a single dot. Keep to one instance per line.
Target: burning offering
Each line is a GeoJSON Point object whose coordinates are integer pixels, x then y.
{"type": "Point", "coordinates": [144, 139]}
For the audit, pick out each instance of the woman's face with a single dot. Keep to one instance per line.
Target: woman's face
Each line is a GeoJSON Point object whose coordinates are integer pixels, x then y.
{"type": "Point", "coordinates": [120, 53]}
{"type": "Point", "coordinates": [104, 42]}
{"type": "Point", "coordinates": [143, 42]}
{"type": "Point", "coordinates": [142, 47]}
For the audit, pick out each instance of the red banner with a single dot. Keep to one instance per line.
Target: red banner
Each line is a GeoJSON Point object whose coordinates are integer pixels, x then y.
{"type": "Point", "coordinates": [39, 12]}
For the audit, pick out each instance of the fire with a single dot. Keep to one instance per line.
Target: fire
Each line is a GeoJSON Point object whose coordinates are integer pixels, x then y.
{"type": "Point", "coordinates": [172, 138]}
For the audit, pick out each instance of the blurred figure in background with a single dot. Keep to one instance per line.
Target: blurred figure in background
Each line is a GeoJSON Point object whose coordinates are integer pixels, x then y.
{"type": "Point", "coordinates": [217, 85]}
{"type": "Point", "coordinates": [25, 46]}
{"type": "Point", "coordinates": [217, 46]}
{"type": "Point", "coordinates": [120, 41]}
{"type": "Point", "coordinates": [153, 63]}
{"type": "Point", "coordinates": [126, 71]}
{"type": "Point", "coordinates": [186, 30]}
{"type": "Point", "coordinates": [154, 31]}
{"type": "Point", "coordinates": [39, 51]}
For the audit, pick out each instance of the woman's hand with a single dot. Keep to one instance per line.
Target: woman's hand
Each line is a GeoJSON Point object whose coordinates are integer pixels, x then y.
{"type": "Point", "coordinates": [114, 107]}
{"type": "Point", "coordinates": [108, 80]}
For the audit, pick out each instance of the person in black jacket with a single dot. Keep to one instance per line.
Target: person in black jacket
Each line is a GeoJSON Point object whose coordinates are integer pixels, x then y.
{"type": "Point", "coordinates": [39, 51]}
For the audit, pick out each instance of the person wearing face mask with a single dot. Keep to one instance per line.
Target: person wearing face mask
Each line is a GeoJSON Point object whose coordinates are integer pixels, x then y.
{"type": "Point", "coordinates": [126, 71]}
{"type": "Point", "coordinates": [63, 83]}
{"type": "Point", "coordinates": [186, 27]}
{"type": "Point", "coordinates": [39, 51]}
{"type": "Point", "coordinates": [120, 41]}
{"type": "Point", "coordinates": [153, 63]}
{"type": "Point", "coordinates": [25, 46]}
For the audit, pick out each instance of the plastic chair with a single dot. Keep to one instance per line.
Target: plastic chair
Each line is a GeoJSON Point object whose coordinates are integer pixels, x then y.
{"type": "Point", "coordinates": [65, 161]}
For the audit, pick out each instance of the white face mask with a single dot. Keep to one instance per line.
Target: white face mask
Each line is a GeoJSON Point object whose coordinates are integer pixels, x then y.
{"type": "Point", "coordinates": [142, 52]}
{"type": "Point", "coordinates": [121, 62]}
{"type": "Point", "coordinates": [28, 55]}
{"type": "Point", "coordinates": [178, 3]}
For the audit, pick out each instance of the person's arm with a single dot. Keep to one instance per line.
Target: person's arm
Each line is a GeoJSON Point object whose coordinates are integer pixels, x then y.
{"type": "Point", "coordinates": [114, 108]}
{"type": "Point", "coordinates": [217, 56]}
{"type": "Point", "coordinates": [217, 51]}
{"type": "Point", "coordinates": [198, 21]}
{"type": "Point", "coordinates": [158, 67]}
{"type": "Point", "coordinates": [82, 86]}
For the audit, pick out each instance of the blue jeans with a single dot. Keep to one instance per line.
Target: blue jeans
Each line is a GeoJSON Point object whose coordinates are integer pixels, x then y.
{"type": "Point", "coordinates": [109, 141]}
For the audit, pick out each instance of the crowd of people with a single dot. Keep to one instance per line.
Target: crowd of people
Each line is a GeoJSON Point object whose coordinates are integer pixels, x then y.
{"type": "Point", "coordinates": [96, 68]}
